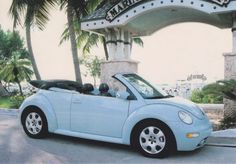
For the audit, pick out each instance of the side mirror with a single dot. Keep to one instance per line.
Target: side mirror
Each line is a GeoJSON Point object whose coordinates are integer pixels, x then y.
{"type": "Point", "coordinates": [122, 95]}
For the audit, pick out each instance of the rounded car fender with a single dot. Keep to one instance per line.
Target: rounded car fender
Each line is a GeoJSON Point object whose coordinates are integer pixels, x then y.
{"type": "Point", "coordinates": [162, 112]}
{"type": "Point", "coordinates": [41, 102]}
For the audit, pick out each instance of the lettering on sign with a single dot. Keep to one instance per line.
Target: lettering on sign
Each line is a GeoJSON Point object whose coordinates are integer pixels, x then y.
{"type": "Point", "coordinates": [220, 2]}
{"type": "Point", "coordinates": [120, 7]}
{"type": "Point", "coordinates": [200, 77]}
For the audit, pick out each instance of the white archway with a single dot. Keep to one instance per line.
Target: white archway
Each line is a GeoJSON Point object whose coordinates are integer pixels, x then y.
{"type": "Point", "coordinates": [163, 11]}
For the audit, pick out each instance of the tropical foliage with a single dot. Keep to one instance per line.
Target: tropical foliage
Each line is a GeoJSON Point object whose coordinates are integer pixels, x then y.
{"type": "Point", "coordinates": [31, 13]}
{"type": "Point", "coordinates": [11, 42]}
{"type": "Point", "coordinates": [15, 70]}
{"type": "Point", "coordinates": [214, 93]}
{"type": "Point", "coordinates": [211, 93]}
{"type": "Point", "coordinates": [228, 87]}
{"type": "Point", "coordinates": [14, 63]}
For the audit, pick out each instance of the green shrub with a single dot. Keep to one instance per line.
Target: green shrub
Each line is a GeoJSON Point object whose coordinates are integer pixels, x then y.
{"type": "Point", "coordinates": [197, 96]}
{"type": "Point", "coordinates": [17, 100]}
{"type": "Point", "coordinates": [210, 94]}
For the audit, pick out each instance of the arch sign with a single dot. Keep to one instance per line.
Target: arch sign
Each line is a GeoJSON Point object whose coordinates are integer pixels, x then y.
{"type": "Point", "coordinates": [120, 7]}
{"type": "Point", "coordinates": [144, 17]}
{"type": "Point", "coordinates": [125, 5]}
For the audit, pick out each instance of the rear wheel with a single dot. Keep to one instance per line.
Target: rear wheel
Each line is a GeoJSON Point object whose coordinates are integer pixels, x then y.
{"type": "Point", "coordinates": [153, 139]}
{"type": "Point", "coordinates": [34, 123]}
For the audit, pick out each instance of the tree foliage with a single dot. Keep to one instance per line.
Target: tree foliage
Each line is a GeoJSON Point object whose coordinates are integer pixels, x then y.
{"type": "Point", "coordinates": [93, 66]}
{"type": "Point", "coordinates": [11, 42]}
{"type": "Point", "coordinates": [215, 92]}
{"type": "Point", "coordinates": [29, 13]}
{"type": "Point", "coordinates": [14, 62]}
{"type": "Point", "coordinates": [16, 70]}
{"type": "Point", "coordinates": [211, 93]}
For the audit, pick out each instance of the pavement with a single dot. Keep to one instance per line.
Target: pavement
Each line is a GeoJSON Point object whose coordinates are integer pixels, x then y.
{"type": "Point", "coordinates": [16, 147]}
{"type": "Point", "coordinates": [12, 112]}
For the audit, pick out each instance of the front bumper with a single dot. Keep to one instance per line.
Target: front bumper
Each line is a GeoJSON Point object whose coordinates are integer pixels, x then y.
{"type": "Point", "coordinates": [180, 130]}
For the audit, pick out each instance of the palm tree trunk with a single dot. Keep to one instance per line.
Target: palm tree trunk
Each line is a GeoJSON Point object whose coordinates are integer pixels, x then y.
{"type": "Point", "coordinates": [73, 43]}
{"type": "Point", "coordinates": [21, 92]}
{"type": "Point", "coordinates": [105, 48]}
{"type": "Point", "coordinates": [31, 54]}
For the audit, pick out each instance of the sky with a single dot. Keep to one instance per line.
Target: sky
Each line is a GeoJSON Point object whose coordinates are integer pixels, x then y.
{"type": "Point", "coordinates": [168, 55]}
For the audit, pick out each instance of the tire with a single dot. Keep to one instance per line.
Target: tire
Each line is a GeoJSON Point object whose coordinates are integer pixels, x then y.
{"type": "Point", "coordinates": [34, 123]}
{"type": "Point", "coordinates": [153, 139]}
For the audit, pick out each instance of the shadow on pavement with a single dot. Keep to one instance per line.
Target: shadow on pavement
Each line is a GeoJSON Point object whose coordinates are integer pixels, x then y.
{"type": "Point", "coordinates": [87, 142]}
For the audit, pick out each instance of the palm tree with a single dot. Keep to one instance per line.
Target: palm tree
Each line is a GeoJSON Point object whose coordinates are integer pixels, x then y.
{"type": "Point", "coordinates": [74, 9]}
{"type": "Point", "coordinates": [16, 70]}
{"type": "Point", "coordinates": [34, 13]}
{"type": "Point", "coordinates": [70, 16]}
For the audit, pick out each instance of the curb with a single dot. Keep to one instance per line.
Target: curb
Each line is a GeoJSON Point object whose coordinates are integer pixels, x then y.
{"type": "Point", "coordinates": [221, 141]}
{"type": "Point", "coordinates": [221, 145]}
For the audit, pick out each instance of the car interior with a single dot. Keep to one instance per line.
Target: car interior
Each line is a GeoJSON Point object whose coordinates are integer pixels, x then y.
{"type": "Point", "coordinates": [102, 90]}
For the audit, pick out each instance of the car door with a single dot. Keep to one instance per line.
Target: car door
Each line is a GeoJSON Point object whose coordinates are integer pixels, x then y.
{"type": "Point", "coordinates": [98, 115]}
{"type": "Point", "coordinates": [60, 99]}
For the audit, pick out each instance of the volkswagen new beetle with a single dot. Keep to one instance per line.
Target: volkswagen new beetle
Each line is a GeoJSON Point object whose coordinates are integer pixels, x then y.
{"type": "Point", "coordinates": [135, 113]}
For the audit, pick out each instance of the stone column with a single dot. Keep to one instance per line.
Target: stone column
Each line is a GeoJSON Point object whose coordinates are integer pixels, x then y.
{"type": "Point", "coordinates": [119, 49]}
{"type": "Point", "coordinates": [110, 68]}
{"type": "Point", "coordinates": [230, 72]}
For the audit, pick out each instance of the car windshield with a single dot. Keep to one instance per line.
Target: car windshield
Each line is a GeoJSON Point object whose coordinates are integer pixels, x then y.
{"type": "Point", "coordinates": [147, 90]}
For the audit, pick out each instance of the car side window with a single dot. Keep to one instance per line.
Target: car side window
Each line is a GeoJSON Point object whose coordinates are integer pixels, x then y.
{"type": "Point", "coordinates": [119, 87]}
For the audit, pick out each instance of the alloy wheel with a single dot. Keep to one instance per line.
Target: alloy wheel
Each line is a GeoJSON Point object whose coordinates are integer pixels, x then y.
{"type": "Point", "coordinates": [152, 140]}
{"type": "Point", "coordinates": [33, 123]}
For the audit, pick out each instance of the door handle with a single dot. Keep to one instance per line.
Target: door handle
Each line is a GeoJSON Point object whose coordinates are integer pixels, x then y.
{"type": "Point", "coordinates": [77, 101]}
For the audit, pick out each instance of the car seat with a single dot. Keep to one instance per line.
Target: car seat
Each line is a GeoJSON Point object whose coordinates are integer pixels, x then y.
{"type": "Point", "coordinates": [104, 88]}
{"type": "Point", "coordinates": [88, 88]}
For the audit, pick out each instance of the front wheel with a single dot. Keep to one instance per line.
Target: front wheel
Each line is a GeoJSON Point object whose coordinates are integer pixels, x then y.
{"type": "Point", "coordinates": [153, 140]}
{"type": "Point", "coordinates": [34, 123]}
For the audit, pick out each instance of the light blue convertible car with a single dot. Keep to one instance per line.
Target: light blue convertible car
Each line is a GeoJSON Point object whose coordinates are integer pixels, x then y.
{"type": "Point", "coordinates": [135, 113]}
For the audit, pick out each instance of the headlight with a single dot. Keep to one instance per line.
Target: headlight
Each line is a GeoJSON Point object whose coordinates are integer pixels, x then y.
{"type": "Point", "coordinates": [185, 117]}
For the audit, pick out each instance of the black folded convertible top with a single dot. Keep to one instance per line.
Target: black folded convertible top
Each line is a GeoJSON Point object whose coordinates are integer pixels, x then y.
{"type": "Point", "coordinates": [63, 84]}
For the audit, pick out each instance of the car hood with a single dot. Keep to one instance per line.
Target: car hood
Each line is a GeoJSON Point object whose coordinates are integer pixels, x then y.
{"type": "Point", "coordinates": [181, 103]}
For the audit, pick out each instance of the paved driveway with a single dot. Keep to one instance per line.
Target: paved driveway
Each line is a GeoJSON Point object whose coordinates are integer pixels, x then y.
{"type": "Point", "coordinates": [16, 147]}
